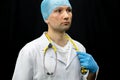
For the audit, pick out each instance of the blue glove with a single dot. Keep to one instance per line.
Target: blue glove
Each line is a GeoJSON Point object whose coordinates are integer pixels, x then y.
{"type": "Point", "coordinates": [87, 61]}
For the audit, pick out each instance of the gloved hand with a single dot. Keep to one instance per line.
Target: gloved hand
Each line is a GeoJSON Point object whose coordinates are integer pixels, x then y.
{"type": "Point", "coordinates": [87, 61]}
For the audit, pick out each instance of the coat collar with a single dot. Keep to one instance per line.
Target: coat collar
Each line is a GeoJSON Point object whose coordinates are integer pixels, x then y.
{"type": "Point", "coordinates": [44, 42]}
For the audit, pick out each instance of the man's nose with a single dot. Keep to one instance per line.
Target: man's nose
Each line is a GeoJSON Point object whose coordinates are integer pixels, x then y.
{"type": "Point", "coordinates": [66, 15]}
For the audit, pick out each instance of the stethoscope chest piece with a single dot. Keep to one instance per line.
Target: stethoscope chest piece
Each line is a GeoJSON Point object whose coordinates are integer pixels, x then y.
{"type": "Point", "coordinates": [50, 45]}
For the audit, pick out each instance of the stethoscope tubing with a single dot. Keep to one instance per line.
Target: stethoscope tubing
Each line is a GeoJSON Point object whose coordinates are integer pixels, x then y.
{"type": "Point", "coordinates": [45, 69]}
{"type": "Point", "coordinates": [83, 69]}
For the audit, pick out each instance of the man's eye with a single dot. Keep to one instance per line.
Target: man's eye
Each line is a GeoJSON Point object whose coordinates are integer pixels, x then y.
{"type": "Point", "coordinates": [59, 10]}
{"type": "Point", "coordinates": [69, 10]}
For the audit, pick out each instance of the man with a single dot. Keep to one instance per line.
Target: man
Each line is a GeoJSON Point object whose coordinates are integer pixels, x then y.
{"type": "Point", "coordinates": [55, 55]}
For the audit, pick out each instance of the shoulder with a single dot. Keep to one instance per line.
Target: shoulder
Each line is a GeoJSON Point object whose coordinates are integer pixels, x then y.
{"type": "Point", "coordinates": [31, 44]}
{"type": "Point", "coordinates": [35, 45]}
{"type": "Point", "coordinates": [30, 48]}
{"type": "Point", "coordinates": [80, 46]}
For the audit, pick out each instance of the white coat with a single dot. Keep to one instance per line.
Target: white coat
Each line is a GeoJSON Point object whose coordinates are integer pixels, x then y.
{"type": "Point", "coordinates": [29, 65]}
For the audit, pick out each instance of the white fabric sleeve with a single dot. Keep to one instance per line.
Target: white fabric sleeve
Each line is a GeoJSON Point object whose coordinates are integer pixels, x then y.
{"type": "Point", "coordinates": [23, 69]}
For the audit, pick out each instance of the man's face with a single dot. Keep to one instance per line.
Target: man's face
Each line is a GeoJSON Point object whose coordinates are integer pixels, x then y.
{"type": "Point", "coordinates": [60, 19]}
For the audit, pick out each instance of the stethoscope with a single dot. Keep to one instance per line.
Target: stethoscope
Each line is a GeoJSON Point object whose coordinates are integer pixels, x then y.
{"type": "Point", "coordinates": [83, 69]}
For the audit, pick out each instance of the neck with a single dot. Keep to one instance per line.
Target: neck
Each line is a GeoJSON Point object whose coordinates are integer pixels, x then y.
{"type": "Point", "coordinates": [58, 38]}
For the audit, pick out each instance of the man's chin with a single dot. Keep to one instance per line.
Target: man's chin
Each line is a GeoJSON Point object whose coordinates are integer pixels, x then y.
{"type": "Point", "coordinates": [67, 28]}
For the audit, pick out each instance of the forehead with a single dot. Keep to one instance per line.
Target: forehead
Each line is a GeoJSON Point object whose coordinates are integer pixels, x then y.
{"type": "Point", "coordinates": [63, 7]}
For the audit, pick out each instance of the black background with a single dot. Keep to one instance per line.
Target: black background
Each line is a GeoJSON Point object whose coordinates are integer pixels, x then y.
{"type": "Point", "coordinates": [92, 25]}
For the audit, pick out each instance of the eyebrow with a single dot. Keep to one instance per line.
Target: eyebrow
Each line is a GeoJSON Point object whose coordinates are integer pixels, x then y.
{"type": "Point", "coordinates": [67, 7]}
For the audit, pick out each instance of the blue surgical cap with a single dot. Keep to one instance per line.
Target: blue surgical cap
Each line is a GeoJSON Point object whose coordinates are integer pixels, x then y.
{"type": "Point", "coordinates": [47, 6]}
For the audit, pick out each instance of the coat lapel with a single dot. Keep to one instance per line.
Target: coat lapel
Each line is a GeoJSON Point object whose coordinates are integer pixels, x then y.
{"type": "Point", "coordinates": [51, 53]}
{"type": "Point", "coordinates": [72, 55]}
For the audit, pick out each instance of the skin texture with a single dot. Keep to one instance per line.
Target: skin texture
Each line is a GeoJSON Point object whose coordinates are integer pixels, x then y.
{"type": "Point", "coordinates": [58, 22]}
